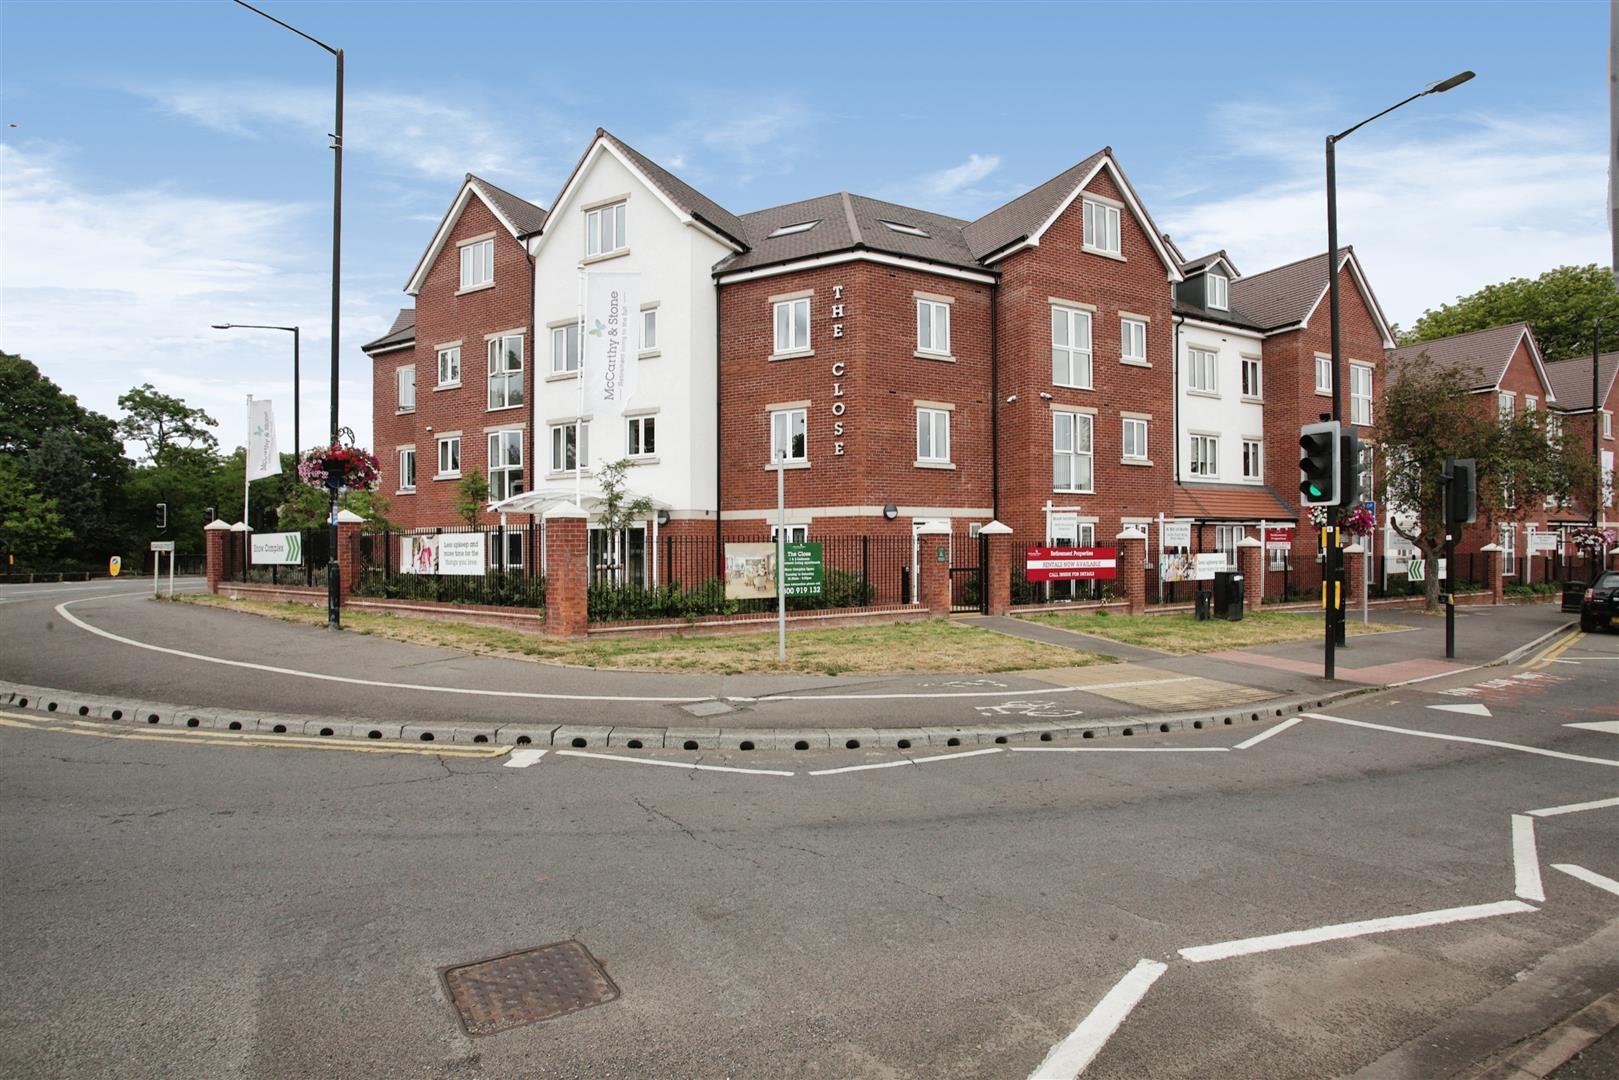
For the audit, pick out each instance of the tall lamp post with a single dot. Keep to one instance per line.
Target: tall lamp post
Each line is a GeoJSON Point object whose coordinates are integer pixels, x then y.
{"type": "Point", "coordinates": [333, 590]}
{"type": "Point", "coordinates": [1596, 422]}
{"type": "Point", "coordinates": [297, 442]}
{"type": "Point", "coordinates": [1333, 564]}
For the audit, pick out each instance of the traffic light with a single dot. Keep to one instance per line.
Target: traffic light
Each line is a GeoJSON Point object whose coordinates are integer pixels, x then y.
{"type": "Point", "coordinates": [162, 516]}
{"type": "Point", "coordinates": [1461, 491]}
{"type": "Point", "coordinates": [1320, 467]}
{"type": "Point", "coordinates": [1349, 468]}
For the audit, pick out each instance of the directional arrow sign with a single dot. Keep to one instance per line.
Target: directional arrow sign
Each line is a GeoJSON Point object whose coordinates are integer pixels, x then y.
{"type": "Point", "coordinates": [1466, 710]}
{"type": "Point", "coordinates": [1609, 726]}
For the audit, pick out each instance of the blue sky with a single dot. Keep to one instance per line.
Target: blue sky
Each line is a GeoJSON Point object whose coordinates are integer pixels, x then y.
{"type": "Point", "coordinates": [168, 165]}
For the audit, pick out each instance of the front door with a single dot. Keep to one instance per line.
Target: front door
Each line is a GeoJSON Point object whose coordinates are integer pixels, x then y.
{"type": "Point", "coordinates": [1070, 533]}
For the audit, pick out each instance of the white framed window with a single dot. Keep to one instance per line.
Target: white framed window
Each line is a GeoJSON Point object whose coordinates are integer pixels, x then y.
{"type": "Point", "coordinates": [1101, 227]}
{"type": "Point", "coordinates": [449, 456]}
{"type": "Point", "coordinates": [565, 349]}
{"type": "Point", "coordinates": [1072, 459]}
{"type": "Point", "coordinates": [506, 371]}
{"type": "Point", "coordinates": [1134, 439]}
{"type": "Point", "coordinates": [505, 464]}
{"type": "Point", "coordinates": [1607, 424]}
{"type": "Point", "coordinates": [792, 318]}
{"type": "Point", "coordinates": [649, 330]}
{"type": "Point", "coordinates": [933, 327]}
{"type": "Point", "coordinates": [477, 264]}
{"type": "Point", "coordinates": [570, 446]}
{"type": "Point", "coordinates": [789, 435]}
{"type": "Point", "coordinates": [604, 230]}
{"type": "Point", "coordinates": [1253, 382]}
{"type": "Point", "coordinates": [1070, 347]}
{"type": "Point", "coordinates": [506, 549]}
{"type": "Point", "coordinates": [1360, 393]}
{"type": "Point", "coordinates": [1219, 292]}
{"type": "Point", "coordinates": [643, 436]}
{"type": "Point", "coordinates": [1509, 492]}
{"type": "Point", "coordinates": [1278, 558]}
{"type": "Point", "coordinates": [449, 366]}
{"type": "Point", "coordinates": [796, 534]}
{"type": "Point", "coordinates": [1205, 456]}
{"type": "Point", "coordinates": [1203, 370]}
{"type": "Point", "coordinates": [1323, 374]}
{"type": "Point", "coordinates": [1530, 403]}
{"type": "Point", "coordinates": [932, 435]}
{"type": "Point", "coordinates": [406, 378]}
{"type": "Point", "coordinates": [1253, 459]}
{"type": "Point", "coordinates": [1506, 404]}
{"type": "Point", "coordinates": [1509, 551]}
{"type": "Point", "coordinates": [1368, 492]}
{"type": "Point", "coordinates": [1225, 542]}
{"type": "Point", "coordinates": [1132, 341]}
{"type": "Point", "coordinates": [407, 469]}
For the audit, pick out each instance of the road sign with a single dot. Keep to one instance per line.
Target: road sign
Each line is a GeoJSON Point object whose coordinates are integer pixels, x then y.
{"type": "Point", "coordinates": [284, 549]}
{"type": "Point", "coordinates": [114, 565]}
{"type": "Point", "coordinates": [1071, 563]}
{"type": "Point", "coordinates": [162, 545]}
{"type": "Point", "coordinates": [803, 570]}
{"type": "Point", "coordinates": [1279, 539]}
{"type": "Point", "coordinates": [1416, 569]}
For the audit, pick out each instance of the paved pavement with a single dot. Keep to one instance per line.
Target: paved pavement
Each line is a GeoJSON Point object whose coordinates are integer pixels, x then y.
{"type": "Point", "coordinates": [1303, 901]}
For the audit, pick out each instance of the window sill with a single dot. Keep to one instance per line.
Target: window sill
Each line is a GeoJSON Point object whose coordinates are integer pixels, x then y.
{"type": "Point", "coordinates": [456, 475]}
{"type": "Point", "coordinates": [1139, 462]}
{"type": "Point", "coordinates": [604, 256]}
{"type": "Point", "coordinates": [504, 408]}
{"type": "Point", "coordinates": [566, 474]}
{"type": "Point", "coordinates": [788, 465]}
{"type": "Point", "coordinates": [1204, 393]}
{"type": "Point", "coordinates": [642, 459]}
{"type": "Point", "coordinates": [447, 386]}
{"type": "Point", "coordinates": [794, 355]}
{"type": "Point", "coordinates": [405, 412]}
{"type": "Point", "coordinates": [1322, 393]}
{"type": "Point", "coordinates": [475, 288]}
{"type": "Point", "coordinates": [950, 465]}
{"type": "Point", "coordinates": [1103, 253]}
{"type": "Point", "coordinates": [560, 376]}
{"type": "Point", "coordinates": [1070, 386]}
{"type": "Point", "coordinates": [1254, 480]}
{"type": "Point", "coordinates": [923, 354]}
{"type": "Point", "coordinates": [1246, 400]}
{"type": "Point", "coordinates": [406, 491]}
{"type": "Point", "coordinates": [1072, 491]}
{"type": "Point", "coordinates": [648, 354]}
{"type": "Point", "coordinates": [1127, 362]}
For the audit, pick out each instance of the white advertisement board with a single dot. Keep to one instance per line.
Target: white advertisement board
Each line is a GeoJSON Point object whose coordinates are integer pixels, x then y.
{"type": "Point", "coordinates": [1177, 534]}
{"type": "Point", "coordinates": [444, 553]}
{"type": "Point", "coordinates": [1208, 564]}
{"type": "Point", "coordinates": [1546, 542]}
{"type": "Point", "coordinates": [282, 549]}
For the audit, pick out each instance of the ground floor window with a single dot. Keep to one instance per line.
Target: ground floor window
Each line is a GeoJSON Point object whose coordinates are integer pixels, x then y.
{"type": "Point", "coordinates": [796, 534]}
{"type": "Point", "coordinates": [620, 559]}
{"type": "Point", "coordinates": [506, 550]}
{"type": "Point", "coordinates": [1509, 550]}
{"type": "Point", "coordinates": [1225, 542]}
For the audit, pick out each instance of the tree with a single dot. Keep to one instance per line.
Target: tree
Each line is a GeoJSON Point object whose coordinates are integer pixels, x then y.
{"type": "Point", "coordinates": [163, 424]}
{"type": "Point", "coordinates": [30, 523]}
{"type": "Point", "coordinates": [617, 511]}
{"type": "Point", "coordinates": [309, 508]}
{"type": "Point", "coordinates": [1429, 416]}
{"type": "Point", "coordinates": [1560, 305]}
{"type": "Point", "coordinates": [471, 495]}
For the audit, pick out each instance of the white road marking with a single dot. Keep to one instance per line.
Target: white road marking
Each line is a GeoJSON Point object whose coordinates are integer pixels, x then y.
{"type": "Point", "coordinates": [1226, 949]}
{"type": "Point", "coordinates": [1466, 739]}
{"type": "Point", "coordinates": [1590, 877]}
{"type": "Point", "coordinates": [672, 764]}
{"type": "Point", "coordinates": [1573, 808]}
{"type": "Point", "coordinates": [1263, 735]}
{"type": "Point", "coordinates": [1609, 726]}
{"type": "Point", "coordinates": [907, 761]}
{"type": "Point", "coordinates": [522, 759]}
{"type": "Point", "coordinates": [1074, 1054]}
{"type": "Point", "coordinates": [1465, 710]}
{"type": "Point", "coordinates": [1119, 749]}
{"type": "Point", "coordinates": [972, 693]}
{"type": "Point", "coordinates": [1526, 860]}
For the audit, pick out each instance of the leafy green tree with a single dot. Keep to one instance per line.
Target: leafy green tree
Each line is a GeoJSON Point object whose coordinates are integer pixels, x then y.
{"type": "Point", "coordinates": [30, 522]}
{"type": "Point", "coordinates": [307, 508]}
{"type": "Point", "coordinates": [471, 496]}
{"type": "Point", "coordinates": [617, 510]}
{"type": "Point", "coordinates": [1560, 305]}
{"type": "Point", "coordinates": [163, 424]}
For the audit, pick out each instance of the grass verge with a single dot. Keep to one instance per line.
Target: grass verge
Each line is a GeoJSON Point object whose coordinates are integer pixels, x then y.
{"type": "Point", "coordinates": [1183, 634]}
{"type": "Point", "coordinates": [932, 646]}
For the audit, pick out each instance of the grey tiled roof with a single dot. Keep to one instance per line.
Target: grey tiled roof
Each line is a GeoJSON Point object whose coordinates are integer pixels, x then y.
{"type": "Point", "coordinates": [1192, 266]}
{"type": "Point", "coordinates": [1232, 317]}
{"type": "Point", "coordinates": [402, 332]}
{"type": "Point", "coordinates": [1571, 380]}
{"type": "Point", "coordinates": [846, 222]}
{"type": "Point", "coordinates": [1285, 295]}
{"type": "Point", "coordinates": [1484, 353]}
{"type": "Point", "coordinates": [682, 194]}
{"type": "Point", "coordinates": [1023, 215]}
{"type": "Point", "coordinates": [520, 212]}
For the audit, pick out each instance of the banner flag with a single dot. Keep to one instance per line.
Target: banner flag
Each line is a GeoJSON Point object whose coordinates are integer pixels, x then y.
{"type": "Point", "coordinates": [611, 341]}
{"type": "Point", "coordinates": [262, 458]}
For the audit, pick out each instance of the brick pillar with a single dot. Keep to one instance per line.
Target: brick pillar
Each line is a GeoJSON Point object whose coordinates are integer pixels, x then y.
{"type": "Point", "coordinates": [239, 555]}
{"type": "Point", "coordinates": [998, 569]}
{"type": "Point", "coordinates": [567, 577]}
{"type": "Point", "coordinates": [1492, 572]}
{"type": "Point", "coordinates": [1354, 574]}
{"type": "Point", "coordinates": [933, 571]}
{"type": "Point", "coordinates": [1250, 564]}
{"type": "Point", "coordinates": [1133, 569]}
{"type": "Point", "coordinates": [348, 553]}
{"type": "Point", "coordinates": [216, 542]}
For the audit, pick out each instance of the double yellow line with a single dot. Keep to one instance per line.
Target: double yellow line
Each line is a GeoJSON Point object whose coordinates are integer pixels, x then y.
{"type": "Point", "coordinates": [1557, 648]}
{"type": "Point", "coordinates": [235, 740]}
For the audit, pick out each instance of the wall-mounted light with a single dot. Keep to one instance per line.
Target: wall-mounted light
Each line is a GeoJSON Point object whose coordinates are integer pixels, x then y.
{"type": "Point", "coordinates": [1011, 399]}
{"type": "Point", "coordinates": [663, 518]}
{"type": "Point", "coordinates": [890, 511]}
{"type": "Point", "coordinates": [1044, 396]}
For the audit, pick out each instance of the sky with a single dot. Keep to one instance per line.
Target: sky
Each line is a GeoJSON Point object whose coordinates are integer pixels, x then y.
{"type": "Point", "coordinates": [164, 166]}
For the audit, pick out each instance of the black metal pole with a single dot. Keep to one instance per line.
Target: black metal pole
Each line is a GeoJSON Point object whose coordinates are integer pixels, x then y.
{"type": "Point", "coordinates": [1450, 596]}
{"type": "Point", "coordinates": [1329, 557]}
{"type": "Point", "coordinates": [297, 437]}
{"type": "Point", "coordinates": [1596, 422]}
{"type": "Point", "coordinates": [333, 570]}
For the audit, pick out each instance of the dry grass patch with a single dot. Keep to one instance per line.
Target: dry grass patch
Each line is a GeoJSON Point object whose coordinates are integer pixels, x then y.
{"type": "Point", "coordinates": [1183, 634]}
{"type": "Point", "coordinates": [932, 646]}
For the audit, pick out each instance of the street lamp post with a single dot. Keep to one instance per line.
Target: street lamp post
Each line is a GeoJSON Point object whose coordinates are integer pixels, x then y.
{"type": "Point", "coordinates": [1332, 565]}
{"type": "Point", "coordinates": [297, 441]}
{"type": "Point", "coordinates": [333, 590]}
{"type": "Point", "coordinates": [1596, 421]}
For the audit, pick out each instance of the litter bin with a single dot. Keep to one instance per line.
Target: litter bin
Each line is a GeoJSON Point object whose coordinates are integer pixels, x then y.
{"type": "Point", "coordinates": [1205, 605]}
{"type": "Point", "coordinates": [1228, 595]}
{"type": "Point", "coordinates": [1573, 595]}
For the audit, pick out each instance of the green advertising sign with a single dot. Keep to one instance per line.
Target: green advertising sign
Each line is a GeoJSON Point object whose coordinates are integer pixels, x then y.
{"type": "Point", "coordinates": [803, 571]}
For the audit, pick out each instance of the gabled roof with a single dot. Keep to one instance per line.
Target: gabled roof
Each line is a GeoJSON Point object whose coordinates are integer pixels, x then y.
{"type": "Point", "coordinates": [1203, 262]}
{"type": "Point", "coordinates": [845, 222]}
{"type": "Point", "coordinates": [519, 216]}
{"type": "Point", "coordinates": [402, 332]}
{"type": "Point", "coordinates": [1287, 296]}
{"type": "Point", "coordinates": [1571, 380]}
{"type": "Point", "coordinates": [1485, 353]}
{"type": "Point", "coordinates": [1230, 502]}
{"type": "Point", "coordinates": [683, 195]}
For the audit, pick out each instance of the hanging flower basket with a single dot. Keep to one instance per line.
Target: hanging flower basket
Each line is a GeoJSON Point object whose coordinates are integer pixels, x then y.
{"type": "Point", "coordinates": [340, 468]}
{"type": "Point", "coordinates": [1593, 541]}
{"type": "Point", "coordinates": [1358, 522]}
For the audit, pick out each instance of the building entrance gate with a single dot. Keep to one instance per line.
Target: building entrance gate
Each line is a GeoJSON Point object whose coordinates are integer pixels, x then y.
{"type": "Point", "coordinates": [969, 586]}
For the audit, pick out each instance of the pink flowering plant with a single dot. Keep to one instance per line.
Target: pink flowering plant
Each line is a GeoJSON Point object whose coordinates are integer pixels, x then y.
{"type": "Point", "coordinates": [357, 467]}
{"type": "Point", "coordinates": [1593, 541]}
{"type": "Point", "coordinates": [1357, 522]}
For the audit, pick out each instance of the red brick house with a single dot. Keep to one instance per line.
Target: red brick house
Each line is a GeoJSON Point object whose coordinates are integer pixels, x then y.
{"type": "Point", "coordinates": [1571, 382]}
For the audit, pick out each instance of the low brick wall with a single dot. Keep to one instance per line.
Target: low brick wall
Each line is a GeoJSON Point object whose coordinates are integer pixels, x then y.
{"type": "Point", "coordinates": [707, 625]}
{"type": "Point", "coordinates": [1082, 607]}
{"type": "Point", "coordinates": [280, 594]}
{"type": "Point", "coordinates": [529, 619]}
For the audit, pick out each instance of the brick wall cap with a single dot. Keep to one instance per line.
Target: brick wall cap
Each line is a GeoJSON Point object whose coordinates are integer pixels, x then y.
{"type": "Point", "coordinates": [564, 510]}
{"type": "Point", "coordinates": [349, 517]}
{"type": "Point", "coordinates": [996, 528]}
{"type": "Point", "coordinates": [1250, 542]}
{"type": "Point", "coordinates": [1131, 534]}
{"type": "Point", "coordinates": [933, 528]}
{"type": "Point", "coordinates": [1491, 547]}
{"type": "Point", "coordinates": [241, 526]}
{"type": "Point", "coordinates": [217, 525]}
{"type": "Point", "coordinates": [1352, 549]}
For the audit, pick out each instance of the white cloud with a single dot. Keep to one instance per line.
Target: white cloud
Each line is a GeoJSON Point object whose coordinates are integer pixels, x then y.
{"type": "Point", "coordinates": [1435, 210]}
{"type": "Point", "coordinates": [718, 144]}
{"type": "Point", "coordinates": [956, 189]}
{"type": "Point", "coordinates": [949, 181]}
{"type": "Point", "coordinates": [107, 289]}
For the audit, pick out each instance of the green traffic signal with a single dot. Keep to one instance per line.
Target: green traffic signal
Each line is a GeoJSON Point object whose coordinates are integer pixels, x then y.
{"type": "Point", "coordinates": [1318, 481]}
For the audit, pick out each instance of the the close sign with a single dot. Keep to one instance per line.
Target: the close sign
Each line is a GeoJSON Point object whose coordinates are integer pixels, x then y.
{"type": "Point", "coordinates": [1071, 563]}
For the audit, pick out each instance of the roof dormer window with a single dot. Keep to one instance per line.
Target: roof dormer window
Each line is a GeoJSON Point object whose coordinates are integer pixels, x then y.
{"type": "Point", "coordinates": [789, 230]}
{"type": "Point", "coordinates": [1218, 297]}
{"type": "Point", "coordinates": [908, 230]}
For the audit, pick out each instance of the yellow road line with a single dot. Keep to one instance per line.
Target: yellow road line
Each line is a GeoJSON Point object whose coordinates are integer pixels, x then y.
{"type": "Point", "coordinates": [232, 739]}
{"type": "Point", "coordinates": [1555, 649]}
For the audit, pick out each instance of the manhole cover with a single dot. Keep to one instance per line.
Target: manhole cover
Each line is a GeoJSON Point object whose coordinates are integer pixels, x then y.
{"type": "Point", "coordinates": [708, 708]}
{"type": "Point", "coordinates": [527, 987]}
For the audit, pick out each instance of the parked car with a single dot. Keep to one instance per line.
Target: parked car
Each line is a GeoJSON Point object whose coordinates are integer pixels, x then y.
{"type": "Point", "coordinates": [1599, 610]}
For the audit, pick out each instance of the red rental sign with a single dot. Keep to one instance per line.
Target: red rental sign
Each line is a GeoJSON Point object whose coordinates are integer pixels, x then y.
{"type": "Point", "coordinates": [1072, 563]}
{"type": "Point", "coordinates": [1279, 537]}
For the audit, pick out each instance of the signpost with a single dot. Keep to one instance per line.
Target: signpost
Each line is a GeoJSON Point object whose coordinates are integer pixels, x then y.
{"type": "Point", "coordinates": [114, 564]}
{"type": "Point", "coordinates": [280, 549]}
{"type": "Point", "coordinates": [158, 548]}
{"type": "Point", "coordinates": [803, 571]}
{"type": "Point", "coordinates": [1071, 563]}
{"type": "Point", "coordinates": [1177, 534]}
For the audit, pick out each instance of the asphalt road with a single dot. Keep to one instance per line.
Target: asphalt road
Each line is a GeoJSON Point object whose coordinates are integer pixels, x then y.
{"type": "Point", "coordinates": [179, 905]}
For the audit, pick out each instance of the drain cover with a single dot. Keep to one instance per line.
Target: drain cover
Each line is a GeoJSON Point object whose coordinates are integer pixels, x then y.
{"type": "Point", "coordinates": [527, 987]}
{"type": "Point", "coordinates": [707, 708]}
